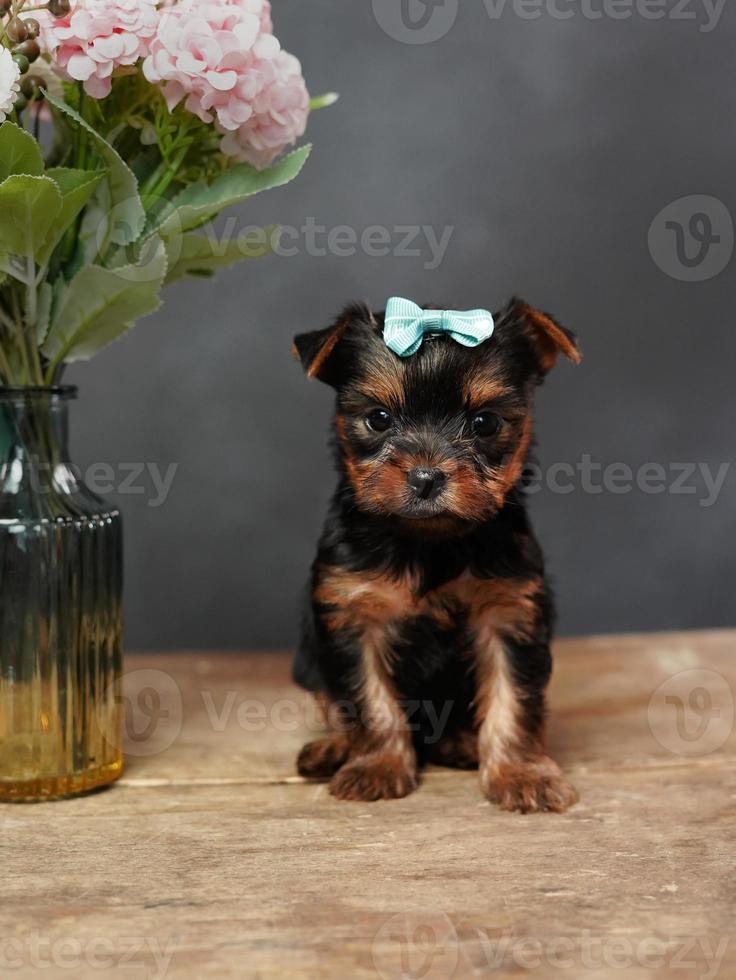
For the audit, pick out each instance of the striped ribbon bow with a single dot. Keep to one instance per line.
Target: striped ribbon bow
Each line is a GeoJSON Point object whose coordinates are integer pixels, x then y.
{"type": "Point", "coordinates": [407, 324]}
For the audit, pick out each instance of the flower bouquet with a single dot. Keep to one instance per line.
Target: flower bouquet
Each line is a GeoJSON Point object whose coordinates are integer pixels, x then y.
{"type": "Point", "coordinates": [125, 127]}
{"type": "Point", "coordinates": [164, 114]}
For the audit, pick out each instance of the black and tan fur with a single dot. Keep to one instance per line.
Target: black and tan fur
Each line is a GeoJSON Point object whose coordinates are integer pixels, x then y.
{"type": "Point", "coordinates": [441, 603]}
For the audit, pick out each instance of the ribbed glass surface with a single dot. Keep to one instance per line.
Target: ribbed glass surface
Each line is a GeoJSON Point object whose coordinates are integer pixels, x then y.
{"type": "Point", "coordinates": [60, 609]}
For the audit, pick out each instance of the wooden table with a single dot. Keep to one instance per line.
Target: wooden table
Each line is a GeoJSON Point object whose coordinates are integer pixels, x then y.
{"type": "Point", "coordinates": [210, 858]}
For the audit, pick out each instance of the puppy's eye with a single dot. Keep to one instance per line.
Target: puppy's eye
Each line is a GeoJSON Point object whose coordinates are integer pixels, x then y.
{"type": "Point", "coordinates": [485, 424]}
{"type": "Point", "coordinates": [378, 420]}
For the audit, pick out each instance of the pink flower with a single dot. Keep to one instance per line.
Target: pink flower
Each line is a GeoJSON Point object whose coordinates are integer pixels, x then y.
{"type": "Point", "coordinates": [98, 36]}
{"type": "Point", "coordinates": [216, 56]}
{"type": "Point", "coordinates": [261, 9]}
{"type": "Point", "coordinates": [202, 53]}
{"type": "Point", "coordinates": [279, 119]}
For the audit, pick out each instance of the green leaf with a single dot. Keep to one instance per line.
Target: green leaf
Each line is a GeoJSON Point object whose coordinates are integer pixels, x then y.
{"type": "Point", "coordinates": [19, 152]}
{"type": "Point", "coordinates": [102, 304]}
{"type": "Point", "coordinates": [28, 208]}
{"type": "Point", "coordinates": [199, 255]}
{"type": "Point", "coordinates": [199, 203]}
{"type": "Point", "coordinates": [77, 187]}
{"type": "Point", "coordinates": [122, 208]}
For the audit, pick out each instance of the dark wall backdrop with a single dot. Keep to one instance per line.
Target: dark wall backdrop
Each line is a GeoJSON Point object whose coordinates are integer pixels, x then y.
{"type": "Point", "coordinates": [548, 146]}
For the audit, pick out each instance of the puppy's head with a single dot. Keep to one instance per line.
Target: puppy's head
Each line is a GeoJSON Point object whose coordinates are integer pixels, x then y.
{"type": "Point", "coordinates": [440, 438]}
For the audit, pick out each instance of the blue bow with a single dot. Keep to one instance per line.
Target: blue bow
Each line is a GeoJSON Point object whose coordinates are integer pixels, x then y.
{"type": "Point", "coordinates": [406, 325]}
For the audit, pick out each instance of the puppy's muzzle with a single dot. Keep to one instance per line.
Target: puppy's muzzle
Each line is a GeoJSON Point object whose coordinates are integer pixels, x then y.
{"type": "Point", "coordinates": [425, 482]}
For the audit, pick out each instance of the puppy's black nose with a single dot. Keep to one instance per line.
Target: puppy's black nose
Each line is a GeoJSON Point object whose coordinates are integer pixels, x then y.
{"type": "Point", "coordinates": [426, 483]}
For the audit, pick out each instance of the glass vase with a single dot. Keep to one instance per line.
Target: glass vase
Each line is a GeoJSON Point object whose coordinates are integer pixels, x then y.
{"type": "Point", "coordinates": [60, 609]}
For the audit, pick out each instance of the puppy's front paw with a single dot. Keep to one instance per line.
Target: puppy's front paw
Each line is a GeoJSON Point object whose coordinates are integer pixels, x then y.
{"type": "Point", "coordinates": [529, 787]}
{"type": "Point", "coordinates": [374, 777]}
{"type": "Point", "coordinates": [322, 758]}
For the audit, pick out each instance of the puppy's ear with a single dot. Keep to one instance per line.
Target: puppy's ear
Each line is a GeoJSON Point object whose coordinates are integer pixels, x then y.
{"type": "Point", "coordinates": [548, 337]}
{"type": "Point", "coordinates": [319, 350]}
{"type": "Point", "coordinates": [315, 349]}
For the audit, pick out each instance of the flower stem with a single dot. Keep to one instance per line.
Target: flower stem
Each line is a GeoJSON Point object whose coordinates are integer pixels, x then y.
{"type": "Point", "coordinates": [81, 133]}
{"type": "Point", "coordinates": [171, 171]}
{"type": "Point", "coordinates": [5, 319]}
{"type": "Point", "coordinates": [80, 155]}
{"type": "Point", "coordinates": [5, 367]}
{"type": "Point", "coordinates": [32, 318]}
{"type": "Point", "coordinates": [55, 368]}
{"type": "Point", "coordinates": [160, 180]}
{"type": "Point", "coordinates": [147, 189]}
{"type": "Point", "coordinates": [21, 336]}
{"type": "Point", "coordinates": [4, 362]}
{"type": "Point", "coordinates": [32, 295]}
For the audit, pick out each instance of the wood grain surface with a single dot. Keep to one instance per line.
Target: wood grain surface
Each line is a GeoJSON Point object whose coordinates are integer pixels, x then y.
{"type": "Point", "coordinates": [211, 858]}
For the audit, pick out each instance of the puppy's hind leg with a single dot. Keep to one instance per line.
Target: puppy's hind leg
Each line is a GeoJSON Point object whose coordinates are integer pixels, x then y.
{"type": "Point", "coordinates": [322, 758]}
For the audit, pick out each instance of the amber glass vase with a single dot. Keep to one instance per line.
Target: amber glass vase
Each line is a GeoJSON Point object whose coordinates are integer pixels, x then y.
{"type": "Point", "coordinates": [60, 609]}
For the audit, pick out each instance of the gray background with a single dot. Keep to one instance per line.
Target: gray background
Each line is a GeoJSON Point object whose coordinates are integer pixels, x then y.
{"type": "Point", "coordinates": [549, 146]}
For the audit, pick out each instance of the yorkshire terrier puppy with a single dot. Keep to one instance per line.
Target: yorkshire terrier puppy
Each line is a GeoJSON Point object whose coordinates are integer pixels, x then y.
{"type": "Point", "coordinates": [426, 636]}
